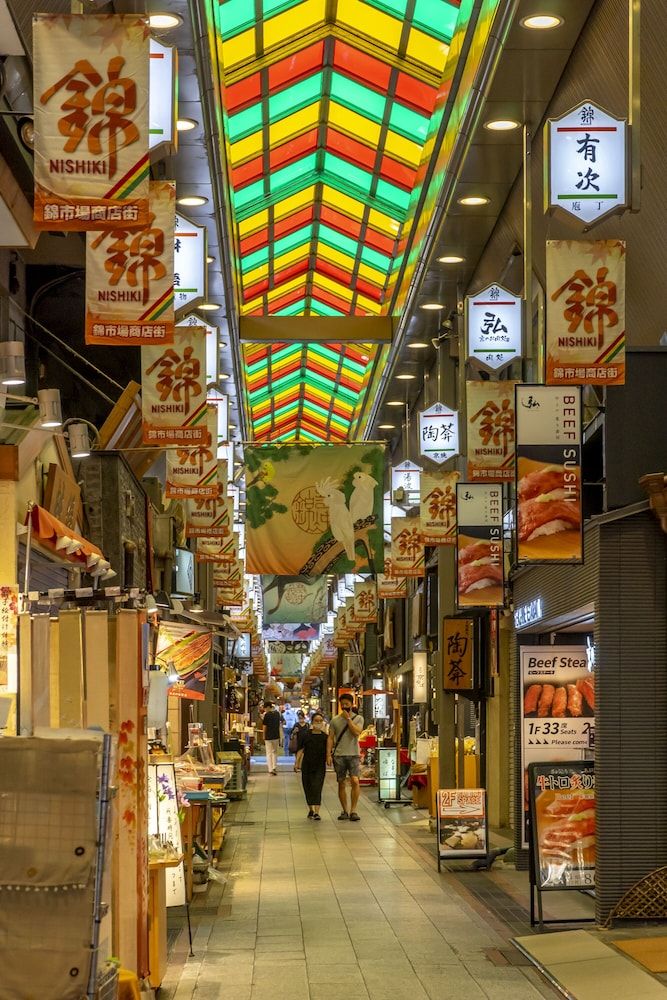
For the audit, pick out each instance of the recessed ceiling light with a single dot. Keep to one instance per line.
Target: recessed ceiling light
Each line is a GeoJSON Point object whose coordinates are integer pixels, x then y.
{"type": "Point", "coordinates": [418, 345]}
{"type": "Point", "coordinates": [232, 427]}
{"type": "Point", "coordinates": [210, 260]}
{"type": "Point", "coordinates": [501, 125]}
{"type": "Point", "coordinates": [541, 22]}
{"type": "Point", "coordinates": [161, 21]}
{"type": "Point", "coordinates": [222, 344]}
{"type": "Point", "coordinates": [474, 199]}
{"type": "Point", "coordinates": [432, 306]}
{"type": "Point", "coordinates": [209, 306]}
{"type": "Point", "coordinates": [192, 200]}
{"type": "Point", "coordinates": [405, 376]}
{"type": "Point", "coordinates": [395, 402]}
{"type": "Point", "coordinates": [386, 427]}
{"type": "Point", "coordinates": [185, 124]}
{"type": "Point", "coordinates": [451, 258]}
{"type": "Point", "coordinates": [223, 375]}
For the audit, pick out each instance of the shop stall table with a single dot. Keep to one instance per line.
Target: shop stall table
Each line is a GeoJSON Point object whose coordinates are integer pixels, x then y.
{"type": "Point", "coordinates": [157, 917]}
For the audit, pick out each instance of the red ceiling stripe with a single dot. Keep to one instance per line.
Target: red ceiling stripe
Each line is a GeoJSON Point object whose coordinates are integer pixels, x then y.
{"type": "Point", "coordinates": [351, 149]}
{"type": "Point", "coordinates": [361, 67]}
{"type": "Point", "coordinates": [248, 172]}
{"type": "Point", "coordinates": [343, 223]}
{"type": "Point", "coordinates": [252, 291]}
{"type": "Point", "coordinates": [286, 300]}
{"type": "Point", "coordinates": [338, 274]}
{"type": "Point", "coordinates": [397, 172]}
{"type": "Point", "coordinates": [385, 244]}
{"type": "Point", "coordinates": [290, 223]}
{"type": "Point", "coordinates": [418, 95]}
{"type": "Point", "coordinates": [246, 91]}
{"type": "Point", "coordinates": [295, 149]}
{"type": "Point", "coordinates": [368, 289]}
{"type": "Point", "coordinates": [296, 66]}
{"type": "Point", "coordinates": [329, 299]}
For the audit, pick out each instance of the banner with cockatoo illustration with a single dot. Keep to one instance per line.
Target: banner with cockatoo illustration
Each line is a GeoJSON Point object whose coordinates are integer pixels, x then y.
{"type": "Point", "coordinates": [314, 509]}
{"type": "Point", "coordinates": [294, 599]}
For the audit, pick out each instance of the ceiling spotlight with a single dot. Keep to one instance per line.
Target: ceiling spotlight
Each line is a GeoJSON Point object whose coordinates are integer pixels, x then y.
{"type": "Point", "coordinates": [395, 402]}
{"type": "Point", "coordinates": [162, 21]}
{"type": "Point", "coordinates": [185, 124]}
{"type": "Point", "coordinates": [405, 376]}
{"type": "Point", "coordinates": [433, 306]}
{"type": "Point", "coordinates": [192, 200]}
{"type": "Point", "coordinates": [210, 260]}
{"type": "Point", "coordinates": [79, 440]}
{"type": "Point", "coordinates": [50, 412]}
{"type": "Point", "coordinates": [474, 199]}
{"type": "Point", "coordinates": [541, 22]}
{"type": "Point", "coordinates": [501, 125]}
{"type": "Point", "coordinates": [418, 345]}
{"type": "Point", "coordinates": [12, 362]}
{"type": "Point", "coordinates": [451, 259]}
{"type": "Point", "coordinates": [232, 427]}
{"type": "Point", "coordinates": [386, 427]}
{"type": "Point", "coordinates": [209, 306]}
{"type": "Point", "coordinates": [223, 375]}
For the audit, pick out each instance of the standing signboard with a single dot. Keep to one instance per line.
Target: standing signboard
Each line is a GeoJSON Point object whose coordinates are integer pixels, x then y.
{"type": "Point", "coordinates": [562, 822]}
{"type": "Point", "coordinates": [494, 328]}
{"type": "Point", "coordinates": [585, 312]}
{"type": "Point", "coordinates": [461, 824]}
{"type": "Point", "coordinates": [388, 774]}
{"type": "Point", "coordinates": [163, 823]}
{"type": "Point", "coordinates": [480, 577]}
{"type": "Point", "coordinates": [439, 433]}
{"type": "Point", "coordinates": [558, 706]}
{"type": "Point", "coordinates": [586, 158]}
{"type": "Point", "coordinates": [549, 523]}
{"type": "Point", "coordinates": [491, 431]}
{"type": "Point", "coordinates": [458, 651]}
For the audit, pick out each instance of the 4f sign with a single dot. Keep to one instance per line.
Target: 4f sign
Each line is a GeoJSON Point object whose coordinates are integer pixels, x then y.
{"type": "Point", "coordinates": [439, 433]}
{"type": "Point", "coordinates": [494, 325]}
{"type": "Point", "coordinates": [587, 163]}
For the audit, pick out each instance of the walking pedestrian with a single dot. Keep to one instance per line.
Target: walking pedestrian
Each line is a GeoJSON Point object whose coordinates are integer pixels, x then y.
{"type": "Point", "coordinates": [312, 759]}
{"type": "Point", "coordinates": [272, 726]}
{"type": "Point", "coordinates": [343, 751]}
{"type": "Point", "coordinates": [299, 725]}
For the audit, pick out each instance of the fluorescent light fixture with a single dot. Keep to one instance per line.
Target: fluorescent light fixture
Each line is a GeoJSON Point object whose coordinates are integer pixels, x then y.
{"type": "Point", "coordinates": [501, 125]}
{"type": "Point", "coordinates": [185, 124]}
{"type": "Point", "coordinates": [474, 199]}
{"type": "Point", "coordinates": [192, 200]}
{"type": "Point", "coordinates": [541, 22]}
{"type": "Point", "coordinates": [395, 402]}
{"type": "Point", "coordinates": [223, 375]}
{"type": "Point", "coordinates": [79, 441]}
{"type": "Point", "coordinates": [162, 21]}
{"type": "Point", "coordinates": [405, 376]}
{"type": "Point", "coordinates": [451, 258]}
{"type": "Point", "coordinates": [12, 362]}
{"type": "Point", "coordinates": [432, 306]}
{"type": "Point", "coordinates": [210, 260]}
{"type": "Point", "coordinates": [209, 306]}
{"type": "Point", "coordinates": [386, 427]}
{"type": "Point", "coordinates": [50, 412]}
{"type": "Point", "coordinates": [418, 345]}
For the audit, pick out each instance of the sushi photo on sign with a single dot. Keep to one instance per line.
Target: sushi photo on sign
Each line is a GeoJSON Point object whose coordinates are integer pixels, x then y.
{"type": "Point", "coordinates": [462, 828]}
{"type": "Point", "coordinates": [562, 802]}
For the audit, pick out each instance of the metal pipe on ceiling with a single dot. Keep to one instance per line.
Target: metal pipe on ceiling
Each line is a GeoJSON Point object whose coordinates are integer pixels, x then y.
{"type": "Point", "coordinates": [466, 131]}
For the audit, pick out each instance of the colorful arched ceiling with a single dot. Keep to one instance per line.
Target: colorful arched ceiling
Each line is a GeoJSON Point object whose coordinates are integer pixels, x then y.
{"type": "Point", "coordinates": [327, 105]}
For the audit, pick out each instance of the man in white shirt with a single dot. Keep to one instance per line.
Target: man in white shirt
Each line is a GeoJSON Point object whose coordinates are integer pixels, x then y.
{"type": "Point", "coordinates": [343, 751]}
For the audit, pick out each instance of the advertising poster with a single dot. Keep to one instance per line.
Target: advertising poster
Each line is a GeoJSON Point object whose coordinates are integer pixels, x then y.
{"type": "Point", "coordinates": [314, 509]}
{"type": "Point", "coordinates": [173, 390]}
{"type": "Point", "coordinates": [90, 100]}
{"type": "Point", "coordinates": [558, 705]}
{"type": "Point", "coordinates": [365, 608]}
{"type": "Point", "coordinates": [286, 632]}
{"type": "Point", "coordinates": [407, 547]}
{"type": "Point", "coordinates": [480, 576]}
{"type": "Point", "coordinates": [184, 650]}
{"type": "Point", "coordinates": [458, 645]}
{"type": "Point", "coordinates": [549, 523]}
{"type": "Point", "coordinates": [562, 816]}
{"type": "Point", "coordinates": [461, 823]}
{"type": "Point", "coordinates": [209, 517]}
{"type": "Point", "coordinates": [192, 469]}
{"type": "Point", "coordinates": [585, 312]}
{"type": "Point", "coordinates": [293, 598]}
{"type": "Point", "coordinates": [491, 431]}
{"type": "Point", "coordinates": [130, 277]}
{"type": "Point", "coordinates": [438, 506]}
{"type": "Point", "coordinates": [163, 822]}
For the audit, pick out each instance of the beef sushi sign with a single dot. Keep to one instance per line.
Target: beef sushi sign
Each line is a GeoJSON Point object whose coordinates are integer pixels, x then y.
{"type": "Point", "coordinates": [558, 699]}
{"type": "Point", "coordinates": [548, 470]}
{"type": "Point", "coordinates": [479, 546]}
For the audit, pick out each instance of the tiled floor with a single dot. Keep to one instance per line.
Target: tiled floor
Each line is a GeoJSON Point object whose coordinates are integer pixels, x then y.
{"type": "Point", "coordinates": [322, 911]}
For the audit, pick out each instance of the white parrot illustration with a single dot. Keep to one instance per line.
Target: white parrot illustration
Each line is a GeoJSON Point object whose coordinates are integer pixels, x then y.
{"type": "Point", "coordinates": [340, 519]}
{"type": "Point", "coordinates": [362, 499]}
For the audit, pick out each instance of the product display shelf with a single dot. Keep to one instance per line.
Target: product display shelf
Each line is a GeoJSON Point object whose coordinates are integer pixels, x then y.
{"type": "Point", "coordinates": [235, 787]}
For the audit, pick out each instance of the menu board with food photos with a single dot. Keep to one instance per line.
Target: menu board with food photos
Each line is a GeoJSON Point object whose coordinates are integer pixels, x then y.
{"type": "Point", "coordinates": [461, 823]}
{"type": "Point", "coordinates": [562, 817]}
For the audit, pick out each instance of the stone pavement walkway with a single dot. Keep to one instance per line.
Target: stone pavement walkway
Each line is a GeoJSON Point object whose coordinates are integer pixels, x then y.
{"type": "Point", "coordinates": [336, 911]}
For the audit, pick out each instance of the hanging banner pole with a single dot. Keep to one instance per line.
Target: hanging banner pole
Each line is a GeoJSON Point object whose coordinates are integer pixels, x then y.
{"type": "Point", "coordinates": [535, 347]}
{"type": "Point", "coordinates": [635, 101]}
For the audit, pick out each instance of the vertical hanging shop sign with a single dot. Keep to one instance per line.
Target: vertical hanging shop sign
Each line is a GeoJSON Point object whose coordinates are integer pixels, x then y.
{"type": "Point", "coordinates": [209, 517]}
{"type": "Point", "coordinates": [221, 551]}
{"type": "Point", "coordinates": [90, 103]}
{"type": "Point", "coordinates": [221, 403]}
{"type": "Point", "coordinates": [549, 523]}
{"type": "Point", "coordinates": [173, 392]}
{"type": "Point", "coordinates": [365, 601]}
{"type": "Point", "coordinates": [163, 823]}
{"type": "Point", "coordinates": [9, 608]}
{"type": "Point", "coordinates": [162, 99]}
{"type": "Point", "coordinates": [438, 507]}
{"type": "Point", "coordinates": [379, 700]}
{"type": "Point", "coordinates": [587, 163]}
{"type": "Point", "coordinates": [212, 351]}
{"type": "Point", "coordinates": [479, 546]}
{"type": "Point", "coordinates": [458, 654]}
{"type": "Point", "coordinates": [439, 433]}
{"type": "Point", "coordinates": [190, 270]}
{"type": "Point", "coordinates": [420, 677]}
{"type": "Point", "coordinates": [494, 328]}
{"type": "Point", "coordinates": [129, 278]}
{"type": "Point", "coordinates": [407, 547]}
{"type": "Point", "coordinates": [192, 468]}
{"type": "Point", "coordinates": [405, 484]}
{"type": "Point", "coordinates": [491, 431]}
{"type": "Point", "coordinates": [558, 706]}
{"type": "Point", "coordinates": [390, 585]}
{"type": "Point", "coordinates": [585, 312]}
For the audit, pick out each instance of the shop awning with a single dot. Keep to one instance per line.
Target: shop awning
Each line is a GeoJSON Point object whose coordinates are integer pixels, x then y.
{"type": "Point", "coordinates": [59, 539]}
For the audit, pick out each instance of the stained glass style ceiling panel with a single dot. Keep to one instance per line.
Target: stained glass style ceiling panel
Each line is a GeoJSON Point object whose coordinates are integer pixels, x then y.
{"type": "Point", "coordinates": [327, 105]}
